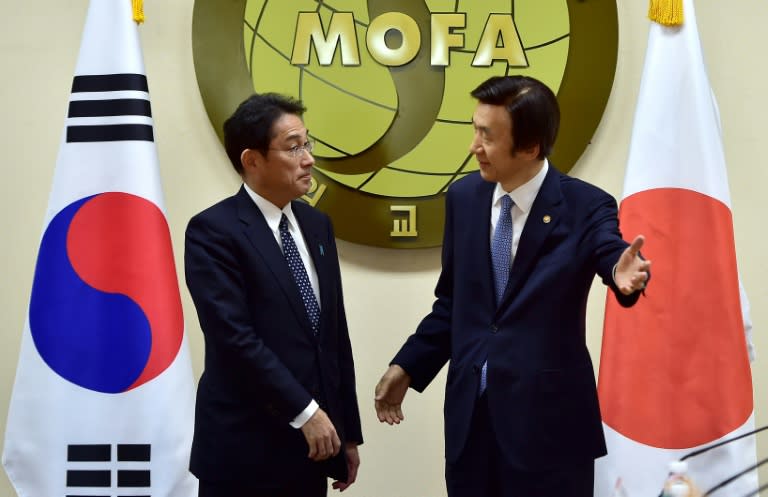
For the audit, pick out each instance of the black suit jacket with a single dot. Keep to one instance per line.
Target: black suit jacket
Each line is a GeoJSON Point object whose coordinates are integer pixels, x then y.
{"type": "Point", "coordinates": [541, 387]}
{"type": "Point", "coordinates": [263, 364]}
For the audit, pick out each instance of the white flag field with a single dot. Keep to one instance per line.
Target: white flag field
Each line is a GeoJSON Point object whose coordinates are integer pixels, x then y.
{"type": "Point", "coordinates": [103, 399]}
{"type": "Point", "coordinates": [675, 369]}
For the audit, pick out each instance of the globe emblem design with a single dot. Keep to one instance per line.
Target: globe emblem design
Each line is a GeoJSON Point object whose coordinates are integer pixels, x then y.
{"type": "Point", "coordinates": [352, 108]}
{"type": "Point", "coordinates": [393, 133]}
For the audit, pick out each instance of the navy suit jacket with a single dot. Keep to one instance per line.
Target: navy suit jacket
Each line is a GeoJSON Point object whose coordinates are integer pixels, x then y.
{"type": "Point", "coordinates": [541, 388]}
{"type": "Point", "coordinates": [263, 363]}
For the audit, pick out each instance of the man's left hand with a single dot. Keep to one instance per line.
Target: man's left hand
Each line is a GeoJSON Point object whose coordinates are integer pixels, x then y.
{"type": "Point", "coordinates": [353, 462]}
{"type": "Point", "coordinates": [631, 272]}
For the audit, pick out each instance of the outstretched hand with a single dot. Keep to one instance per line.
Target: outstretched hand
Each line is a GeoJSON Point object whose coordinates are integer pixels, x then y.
{"type": "Point", "coordinates": [390, 393]}
{"type": "Point", "coordinates": [632, 271]}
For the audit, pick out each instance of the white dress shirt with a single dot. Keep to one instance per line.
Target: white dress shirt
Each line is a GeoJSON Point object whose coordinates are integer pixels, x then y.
{"type": "Point", "coordinates": [523, 197]}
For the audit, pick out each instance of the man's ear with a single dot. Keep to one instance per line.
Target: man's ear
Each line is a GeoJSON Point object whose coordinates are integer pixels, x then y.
{"type": "Point", "coordinates": [530, 153]}
{"type": "Point", "coordinates": [250, 159]}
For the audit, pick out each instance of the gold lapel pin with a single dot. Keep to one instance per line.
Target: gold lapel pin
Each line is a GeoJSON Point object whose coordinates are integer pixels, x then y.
{"type": "Point", "coordinates": [546, 219]}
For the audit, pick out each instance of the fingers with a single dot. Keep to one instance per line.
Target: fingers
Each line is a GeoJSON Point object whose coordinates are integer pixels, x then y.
{"type": "Point", "coordinates": [321, 437]}
{"type": "Point", "coordinates": [329, 446]}
{"type": "Point", "coordinates": [340, 486]}
{"type": "Point", "coordinates": [637, 281]}
{"type": "Point", "coordinates": [324, 447]}
{"type": "Point", "coordinates": [353, 463]}
{"type": "Point", "coordinates": [637, 244]}
{"type": "Point", "coordinates": [632, 271]}
{"type": "Point", "coordinates": [386, 411]}
{"type": "Point", "coordinates": [390, 393]}
{"type": "Point", "coordinates": [389, 413]}
{"type": "Point", "coordinates": [640, 276]}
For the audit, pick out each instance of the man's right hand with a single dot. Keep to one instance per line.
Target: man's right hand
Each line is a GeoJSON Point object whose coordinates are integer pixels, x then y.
{"type": "Point", "coordinates": [390, 393]}
{"type": "Point", "coordinates": [321, 436]}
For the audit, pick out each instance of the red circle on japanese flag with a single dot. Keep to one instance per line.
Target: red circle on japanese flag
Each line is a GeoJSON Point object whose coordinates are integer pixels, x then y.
{"type": "Point", "coordinates": [674, 368]}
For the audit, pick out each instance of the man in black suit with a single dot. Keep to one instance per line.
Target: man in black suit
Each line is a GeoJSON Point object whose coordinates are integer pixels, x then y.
{"type": "Point", "coordinates": [276, 409]}
{"type": "Point", "coordinates": [522, 245]}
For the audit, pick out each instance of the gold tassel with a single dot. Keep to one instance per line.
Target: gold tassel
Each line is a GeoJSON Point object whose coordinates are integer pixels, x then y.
{"type": "Point", "coordinates": [666, 12]}
{"type": "Point", "coordinates": [138, 11]}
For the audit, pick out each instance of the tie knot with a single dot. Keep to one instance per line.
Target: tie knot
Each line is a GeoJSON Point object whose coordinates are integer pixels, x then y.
{"type": "Point", "coordinates": [284, 224]}
{"type": "Point", "coordinates": [506, 202]}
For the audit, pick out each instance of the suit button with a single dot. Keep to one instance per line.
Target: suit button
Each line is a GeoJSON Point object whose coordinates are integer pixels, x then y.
{"type": "Point", "coordinates": [494, 328]}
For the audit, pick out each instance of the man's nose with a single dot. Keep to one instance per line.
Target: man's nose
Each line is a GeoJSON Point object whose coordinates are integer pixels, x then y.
{"type": "Point", "coordinates": [474, 146]}
{"type": "Point", "coordinates": [307, 159]}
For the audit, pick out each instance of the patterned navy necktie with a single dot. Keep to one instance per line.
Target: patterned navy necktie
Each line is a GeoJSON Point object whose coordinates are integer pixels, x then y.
{"type": "Point", "coordinates": [501, 258]}
{"type": "Point", "coordinates": [293, 258]}
{"type": "Point", "coordinates": [501, 248]}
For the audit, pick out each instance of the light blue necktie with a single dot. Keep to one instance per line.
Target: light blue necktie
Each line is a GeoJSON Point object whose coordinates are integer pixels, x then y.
{"type": "Point", "coordinates": [501, 257]}
{"type": "Point", "coordinates": [291, 254]}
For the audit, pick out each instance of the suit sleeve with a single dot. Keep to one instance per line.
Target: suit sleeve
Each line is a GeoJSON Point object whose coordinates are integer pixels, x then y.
{"type": "Point", "coordinates": [429, 348]}
{"type": "Point", "coordinates": [352, 425]}
{"type": "Point", "coordinates": [609, 245]}
{"type": "Point", "coordinates": [215, 280]}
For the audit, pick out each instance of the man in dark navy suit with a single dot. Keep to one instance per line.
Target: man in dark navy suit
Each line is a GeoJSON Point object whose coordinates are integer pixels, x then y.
{"type": "Point", "coordinates": [276, 409]}
{"type": "Point", "coordinates": [522, 245]}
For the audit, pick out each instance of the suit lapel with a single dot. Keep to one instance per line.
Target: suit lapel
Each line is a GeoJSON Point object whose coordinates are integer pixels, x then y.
{"type": "Point", "coordinates": [478, 230]}
{"type": "Point", "coordinates": [545, 214]}
{"type": "Point", "coordinates": [263, 240]}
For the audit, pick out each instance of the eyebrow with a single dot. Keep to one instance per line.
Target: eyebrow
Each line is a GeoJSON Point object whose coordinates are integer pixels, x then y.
{"type": "Point", "coordinates": [484, 129]}
{"type": "Point", "coordinates": [297, 136]}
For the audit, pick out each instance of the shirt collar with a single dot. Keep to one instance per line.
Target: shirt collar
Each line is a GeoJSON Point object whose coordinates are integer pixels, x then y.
{"type": "Point", "coordinates": [272, 214]}
{"type": "Point", "coordinates": [524, 195]}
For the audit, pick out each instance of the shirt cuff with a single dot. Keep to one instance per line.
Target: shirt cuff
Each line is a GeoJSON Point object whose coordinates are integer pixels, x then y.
{"type": "Point", "coordinates": [304, 415]}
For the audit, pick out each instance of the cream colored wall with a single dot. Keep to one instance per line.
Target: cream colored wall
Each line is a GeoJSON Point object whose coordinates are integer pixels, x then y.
{"type": "Point", "coordinates": [387, 291]}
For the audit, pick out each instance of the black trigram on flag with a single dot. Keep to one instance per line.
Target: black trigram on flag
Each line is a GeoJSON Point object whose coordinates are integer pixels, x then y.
{"type": "Point", "coordinates": [109, 107]}
{"type": "Point", "coordinates": [128, 476]}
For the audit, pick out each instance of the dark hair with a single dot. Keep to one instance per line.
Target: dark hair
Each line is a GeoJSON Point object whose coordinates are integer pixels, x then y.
{"type": "Point", "coordinates": [532, 106]}
{"type": "Point", "coordinates": [250, 126]}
